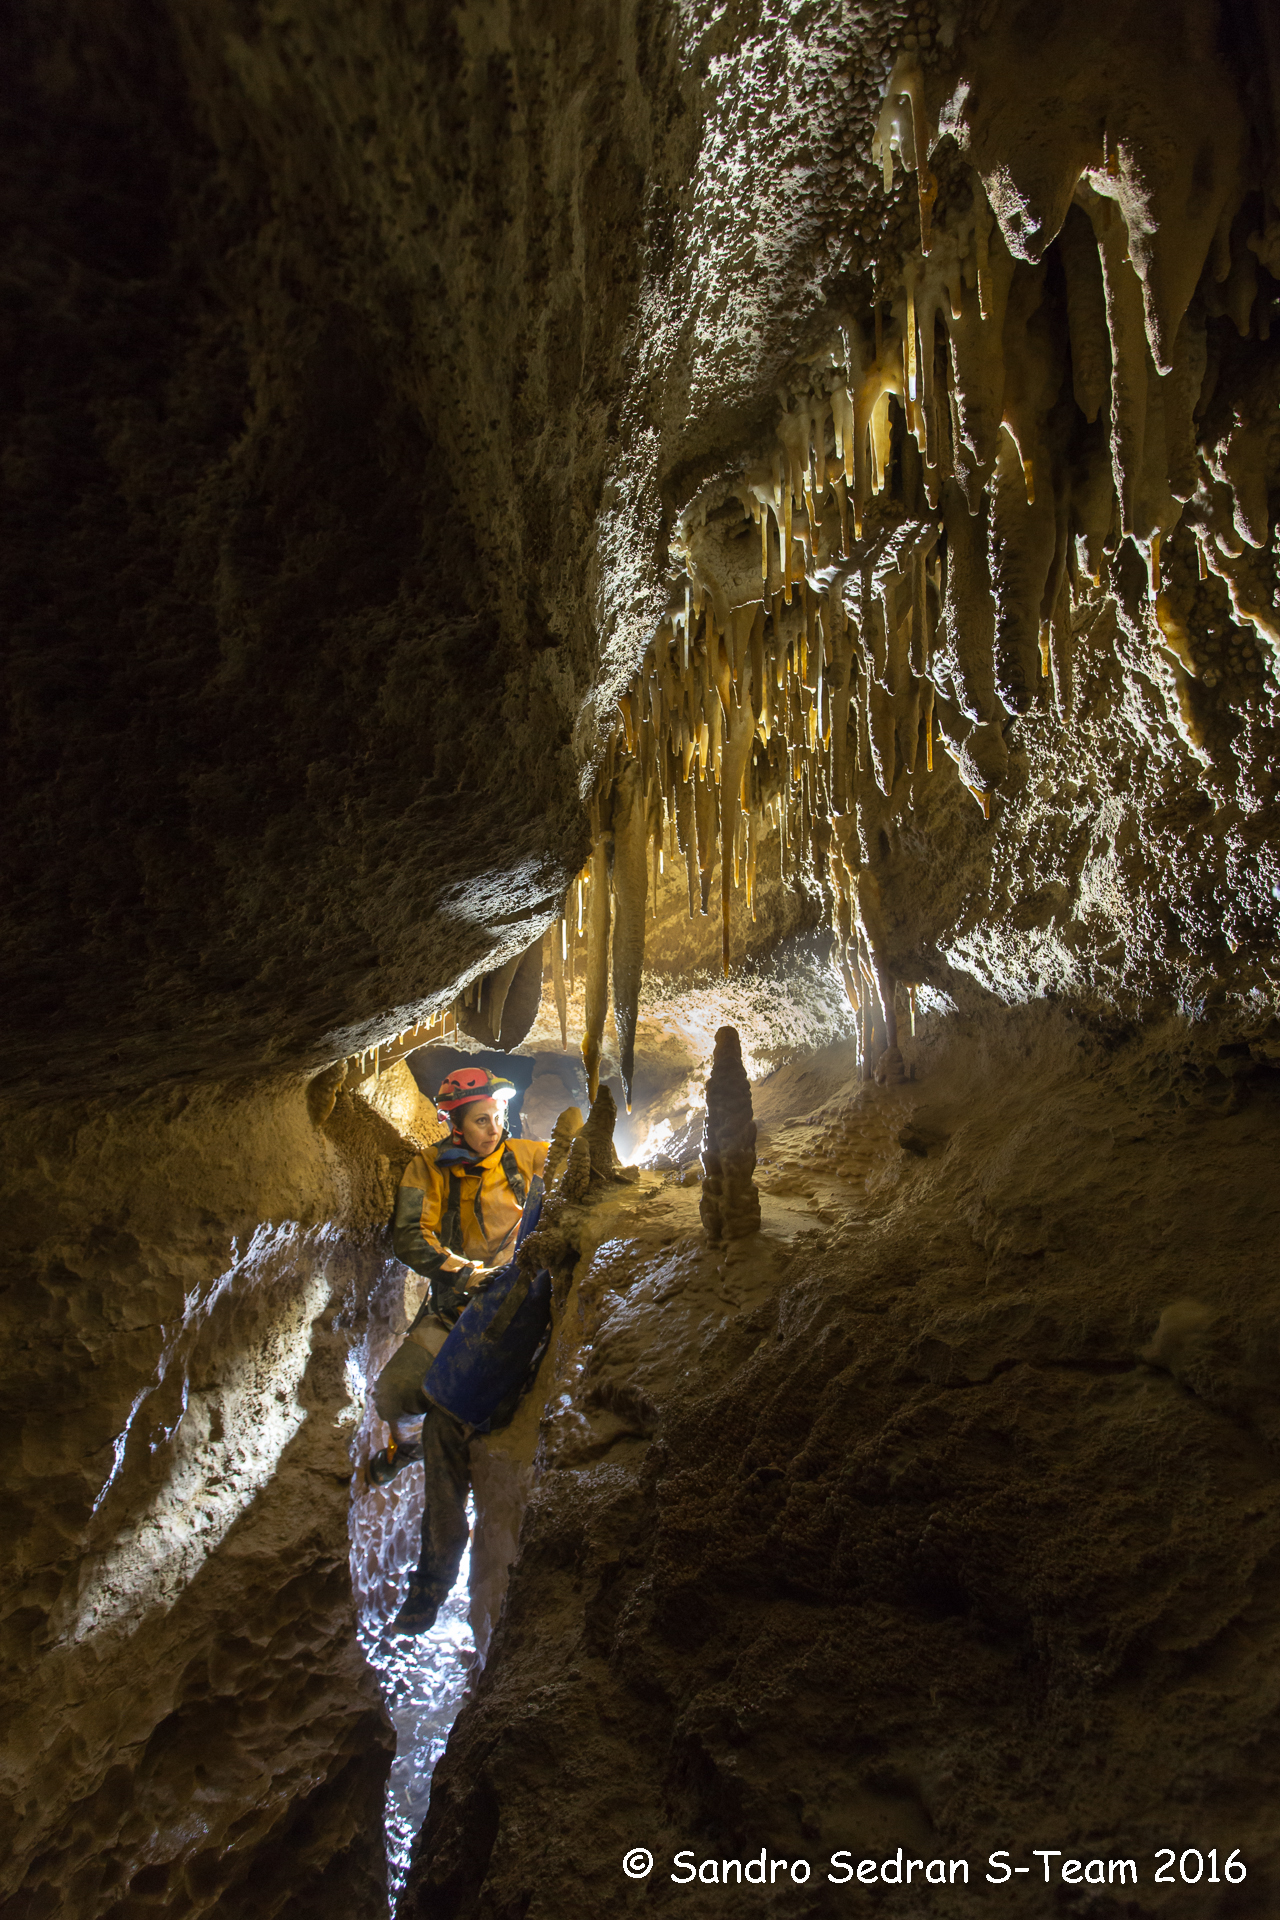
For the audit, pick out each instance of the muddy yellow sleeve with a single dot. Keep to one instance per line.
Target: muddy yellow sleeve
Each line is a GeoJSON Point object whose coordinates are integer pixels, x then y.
{"type": "Point", "coordinates": [419, 1206]}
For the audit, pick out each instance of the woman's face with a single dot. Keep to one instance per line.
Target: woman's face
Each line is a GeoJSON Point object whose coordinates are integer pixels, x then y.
{"type": "Point", "coordinates": [481, 1126]}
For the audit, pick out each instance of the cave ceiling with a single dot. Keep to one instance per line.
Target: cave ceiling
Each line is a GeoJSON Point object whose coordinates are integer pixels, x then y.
{"type": "Point", "coordinates": [406, 404]}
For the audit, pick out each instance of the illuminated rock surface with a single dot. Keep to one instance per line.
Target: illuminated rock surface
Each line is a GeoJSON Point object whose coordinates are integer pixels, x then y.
{"type": "Point", "coordinates": [899, 1523]}
{"type": "Point", "coordinates": [470, 468]}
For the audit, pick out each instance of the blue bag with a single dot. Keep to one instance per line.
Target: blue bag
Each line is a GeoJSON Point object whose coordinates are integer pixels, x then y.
{"type": "Point", "coordinates": [496, 1340]}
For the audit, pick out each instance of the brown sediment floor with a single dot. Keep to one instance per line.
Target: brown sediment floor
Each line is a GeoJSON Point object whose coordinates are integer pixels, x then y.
{"type": "Point", "coordinates": [933, 1516]}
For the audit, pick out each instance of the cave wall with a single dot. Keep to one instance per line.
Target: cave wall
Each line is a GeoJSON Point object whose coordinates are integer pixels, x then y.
{"type": "Point", "coordinates": [313, 346]}
{"type": "Point", "coordinates": [189, 1725]}
{"type": "Point", "coordinates": [979, 615]}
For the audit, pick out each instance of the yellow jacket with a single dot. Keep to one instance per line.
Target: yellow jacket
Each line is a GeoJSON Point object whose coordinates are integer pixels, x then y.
{"type": "Point", "coordinates": [450, 1217]}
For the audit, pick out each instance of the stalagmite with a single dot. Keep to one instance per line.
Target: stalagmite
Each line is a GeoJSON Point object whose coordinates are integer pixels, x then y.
{"type": "Point", "coordinates": [562, 1136]}
{"type": "Point", "coordinates": [597, 981]}
{"type": "Point", "coordinates": [597, 1135]}
{"type": "Point", "coordinates": [730, 1203]}
{"type": "Point", "coordinates": [577, 1169]}
{"type": "Point", "coordinates": [629, 880]}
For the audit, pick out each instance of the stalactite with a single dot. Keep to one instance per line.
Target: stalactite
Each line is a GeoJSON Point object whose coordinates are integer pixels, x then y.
{"type": "Point", "coordinates": [1003, 413]}
{"type": "Point", "coordinates": [557, 980]}
{"type": "Point", "coordinates": [706, 821]}
{"type": "Point", "coordinates": [741, 733]}
{"type": "Point", "coordinates": [597, 980]}
{"type": "Point", "coordinates": [495, 998]}
{"type": "Point", "coordinates": [629, 877]}
{"type": "Point", "coordinates": [1022, 546]}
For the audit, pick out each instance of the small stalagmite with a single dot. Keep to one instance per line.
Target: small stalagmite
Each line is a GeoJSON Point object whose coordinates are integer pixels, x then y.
{"type": "Point", "coordinates": [563, 1134]}
{"type": "Point", "coordinates": [577, 1172]}
{"type": "Point", "coordinates": [730, 1204]}
{"type": "Point", "coordinates": [598, 1135]}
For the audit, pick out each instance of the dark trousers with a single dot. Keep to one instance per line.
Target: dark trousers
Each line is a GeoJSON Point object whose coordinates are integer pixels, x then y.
{"type": "Point", "coordinates": [443, 1449]}
{"type": "Point", "coordinates": [446, 1470]}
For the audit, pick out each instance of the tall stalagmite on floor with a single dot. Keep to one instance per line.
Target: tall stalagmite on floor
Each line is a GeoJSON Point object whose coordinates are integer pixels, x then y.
{"type": "Point", "coordinates": [730, 1204]}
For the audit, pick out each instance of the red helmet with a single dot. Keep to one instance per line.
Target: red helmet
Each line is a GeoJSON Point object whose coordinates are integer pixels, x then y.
{"type": "Point", "coordinates": [466, 1084]}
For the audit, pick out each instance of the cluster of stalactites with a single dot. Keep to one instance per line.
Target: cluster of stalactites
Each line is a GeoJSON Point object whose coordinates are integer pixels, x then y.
{"type": "Point", "coordinates": [969, 462]}
{"type": "Point", "coordinates": [1076, 391]}
{"type": "Point", "coordinates": [785, 716]}
{"type": "Point", "coordinates": [790, 720]}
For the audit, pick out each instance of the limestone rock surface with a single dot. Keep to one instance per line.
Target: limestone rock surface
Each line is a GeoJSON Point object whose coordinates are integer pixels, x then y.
{"type": "Point", "coordinates": [189, 1724]}
{"type": "Point", "coordinates": [916, 1526]}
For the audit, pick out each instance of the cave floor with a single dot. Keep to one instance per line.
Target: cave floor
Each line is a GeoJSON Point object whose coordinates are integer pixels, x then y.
{"type": "Point", "coordinates": [947, 1521]}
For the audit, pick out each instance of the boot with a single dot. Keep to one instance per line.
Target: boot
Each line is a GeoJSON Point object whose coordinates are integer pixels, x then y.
{"type": "Point", "coordinates": [418, 1614]}
{"type": "Point", "coordinates": [387, 1462]}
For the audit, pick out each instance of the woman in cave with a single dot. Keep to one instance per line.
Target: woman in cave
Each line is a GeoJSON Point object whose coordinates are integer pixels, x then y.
{"type": "Point", "coordinates": [458, 1211]}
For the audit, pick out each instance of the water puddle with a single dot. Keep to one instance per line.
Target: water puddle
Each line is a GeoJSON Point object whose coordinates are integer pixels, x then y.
{"type": "Point", "coordinates": [423, 1678]}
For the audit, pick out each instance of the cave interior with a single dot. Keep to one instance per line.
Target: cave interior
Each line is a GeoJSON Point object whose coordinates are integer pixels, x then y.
{"type": "Point", "coordinates": [722, 559]}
